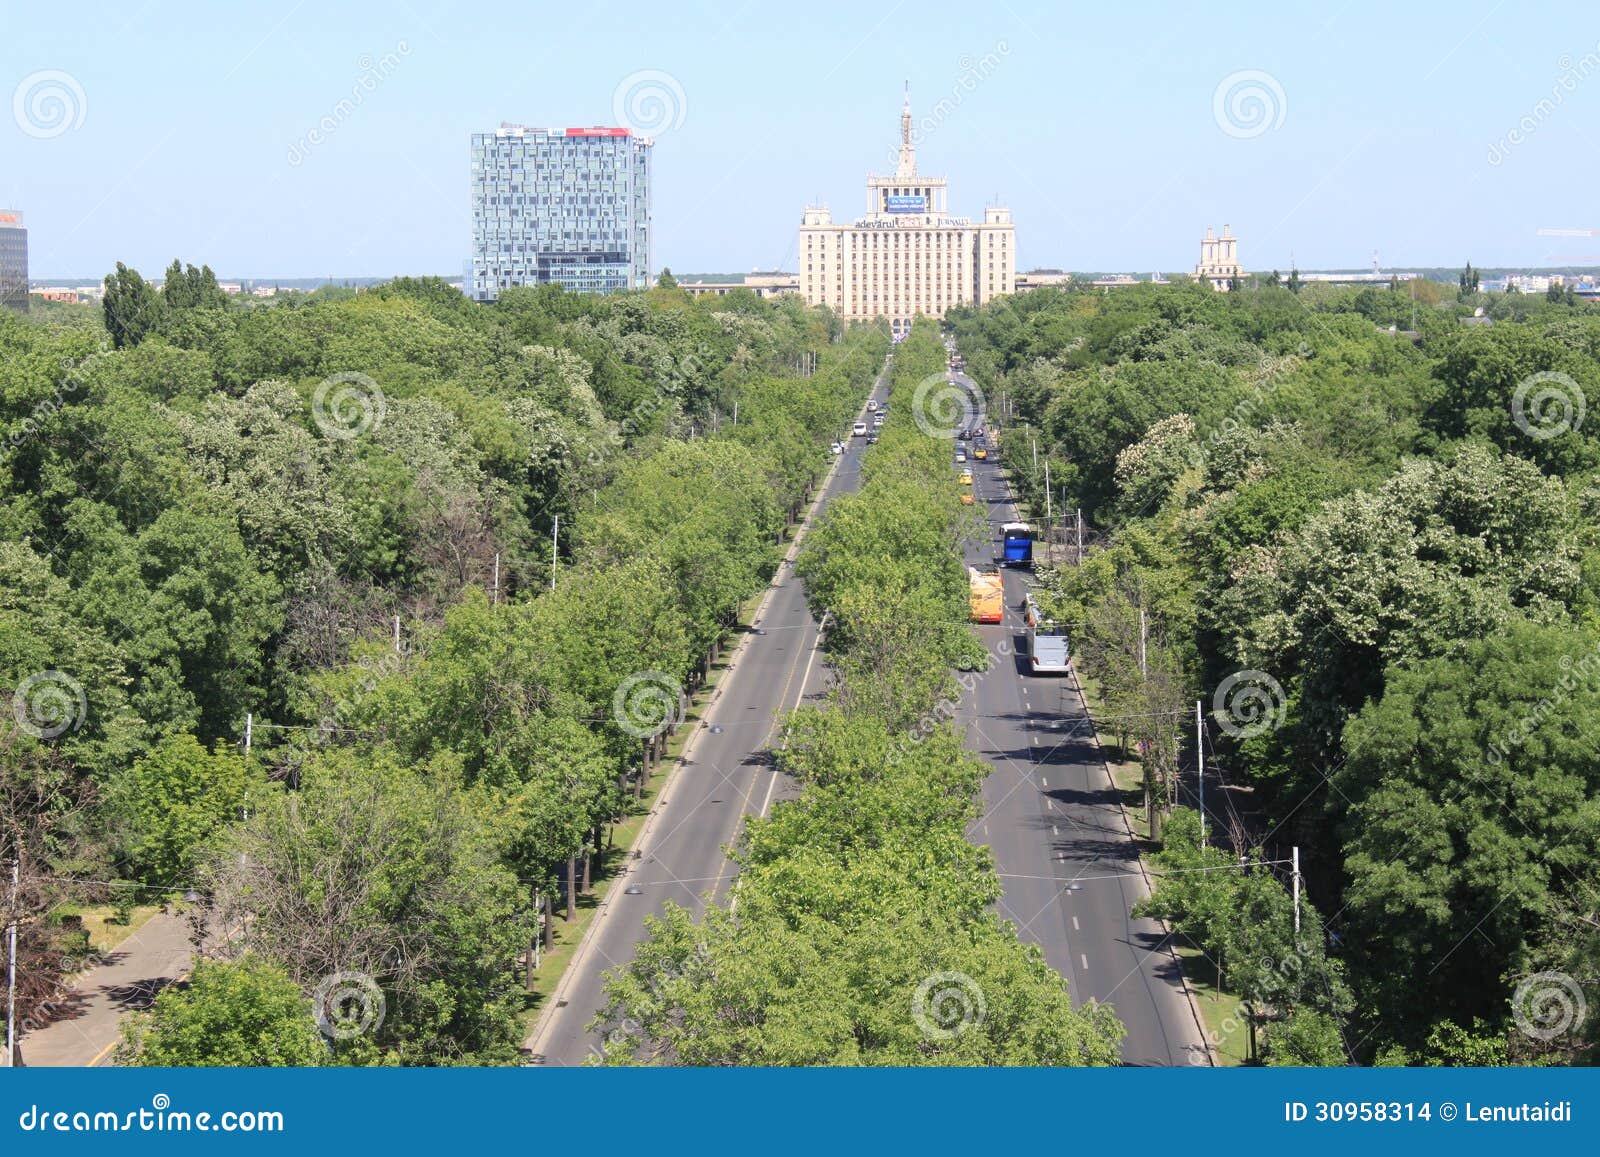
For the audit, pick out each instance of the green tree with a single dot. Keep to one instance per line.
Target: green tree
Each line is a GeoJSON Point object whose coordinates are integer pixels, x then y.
{"type": "Point", "coordinates": [245, 1013]}
{"type": "Point", "coordinates": [133, 309]}
{"type": "Point", "coordinates": [1468, 784]}
{"type": "Point", "coordinates": [174, 801]}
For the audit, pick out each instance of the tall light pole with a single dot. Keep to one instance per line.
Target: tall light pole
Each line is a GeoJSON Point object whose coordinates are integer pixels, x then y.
{"type": "Point", "coordinates": [1200, 758]}
{"type": "Point", "coordinates": [11, 971]}
{"type": "Point", "coordinates": [555, 532]}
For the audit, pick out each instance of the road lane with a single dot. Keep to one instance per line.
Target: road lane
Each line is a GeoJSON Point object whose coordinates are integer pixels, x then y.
{"type": "Point", "coordinates": [726, 774]}
{"type": "Point", "coordinates": [1068, 865]}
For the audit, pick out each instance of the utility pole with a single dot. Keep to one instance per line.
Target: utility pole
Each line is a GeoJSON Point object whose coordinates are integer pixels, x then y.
{"type": "Point", "coordinates": [249, 731]}
{"type": "Point", "coordinates": [397, 634]}
{"type": "Point", "coordinates": [1295, 858]}
{"type": "Point", "coordinates": [11, 971]}
{"type": "Point", "coordinates": [1035, 442]}
{"type": "Point", "coordinates": [555, 532]}
{"type": "Point", "coordinates": [1144, 669]}
{"type": "Point", "coordinates": [1200, 763]}
{"type": "Point", "coordinates": [496, 599]}
{"type": "Point", "coordinates": [1080, 536]}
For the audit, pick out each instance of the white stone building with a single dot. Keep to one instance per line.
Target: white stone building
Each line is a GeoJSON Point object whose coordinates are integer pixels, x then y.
{"type": "Point", "coordinates": [907, 256]}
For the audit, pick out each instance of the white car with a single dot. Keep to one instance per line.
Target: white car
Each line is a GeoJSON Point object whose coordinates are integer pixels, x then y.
{"type": "Point", "coordinates": [837, 448]}
{"type": "Point", "coordinates": [961, 456]}
{"type": "Point", "coordinates": [872, 405]}
{"type": "Point", "coordinates": [859, 430]}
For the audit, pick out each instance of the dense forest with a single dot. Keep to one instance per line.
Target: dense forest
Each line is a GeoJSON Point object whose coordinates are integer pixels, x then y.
{"type": "Point", "coordinates": [1361, 526]}
{"type": "Point", "coordinates": [352, 621]}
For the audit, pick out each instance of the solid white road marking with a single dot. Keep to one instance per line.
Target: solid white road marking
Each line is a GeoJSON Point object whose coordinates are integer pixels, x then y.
{"type": "Point", "coordinates": [1075, 924]}
{"type": "Point", "coordinates": [1085, 961]}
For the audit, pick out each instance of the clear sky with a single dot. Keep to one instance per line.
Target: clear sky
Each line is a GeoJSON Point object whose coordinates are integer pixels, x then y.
{"type": "Point", "coordinates": [140, 131]}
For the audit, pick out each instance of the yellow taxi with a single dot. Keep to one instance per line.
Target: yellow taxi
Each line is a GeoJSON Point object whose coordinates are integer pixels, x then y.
{"type": "Point", "coordinates": [966, 478]}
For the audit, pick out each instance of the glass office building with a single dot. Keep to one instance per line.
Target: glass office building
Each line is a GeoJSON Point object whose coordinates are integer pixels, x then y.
{"type": "Point", "coordinates": [13, 261]}
{"type": "Point", "coordinates": [563, 206]}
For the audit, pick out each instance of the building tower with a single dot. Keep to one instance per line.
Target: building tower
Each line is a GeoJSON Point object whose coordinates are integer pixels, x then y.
{"type": "Point", "coordinates": [559, 206]}
{"type": "Point", "coordinates": [907, 256]}
{"type": "Point", "coordinates": [1219, 259]}
{"type": "Point", "coordinates": [13, 261]}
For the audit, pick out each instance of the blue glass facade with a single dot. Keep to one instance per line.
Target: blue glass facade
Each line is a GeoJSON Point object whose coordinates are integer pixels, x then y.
{"type": "Point", "coordinates": [565, 206]}
{"type": "Point", "coordinates": [13, 261]}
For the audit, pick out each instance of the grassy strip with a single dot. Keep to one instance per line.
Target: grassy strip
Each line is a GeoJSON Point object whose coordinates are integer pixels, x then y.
{"type": "Point", "coordinates": [1219, 1011]}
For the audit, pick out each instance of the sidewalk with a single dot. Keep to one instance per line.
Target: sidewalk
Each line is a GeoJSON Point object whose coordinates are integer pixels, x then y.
{"type": "Point", "coordinates": [83, 1027]}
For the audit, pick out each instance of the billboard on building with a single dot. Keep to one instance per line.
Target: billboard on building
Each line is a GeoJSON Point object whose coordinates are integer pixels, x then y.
{"type": "Point", "coordinates": [907, 204]}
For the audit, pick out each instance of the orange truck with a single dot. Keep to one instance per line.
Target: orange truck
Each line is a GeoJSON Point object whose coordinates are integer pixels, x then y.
{"type": "Point", "coordinates": [988, 597]}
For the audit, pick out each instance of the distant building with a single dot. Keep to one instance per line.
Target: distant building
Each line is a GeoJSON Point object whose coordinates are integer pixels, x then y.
{"type": "Point", "coordinates": [775, 283]}
{"type": "Point", "coordinates": [907, 256]}
{"type": "Point", "coordinates": [1219, 259]}
{"type": "Point", "coordinates": [1038, 278]}
{"type": "Point", "coordinates": [13, 261]}
{"type": "Point", "coordinates": [559, 206]}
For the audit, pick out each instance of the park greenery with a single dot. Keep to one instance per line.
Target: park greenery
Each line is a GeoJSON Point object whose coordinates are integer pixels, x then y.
{"type": "Point", "coordinates": [314, 615]}
{"type": "Point", "coordinates": [1376, 509]}
{"type": "Point", "coordinates": [861, 929]}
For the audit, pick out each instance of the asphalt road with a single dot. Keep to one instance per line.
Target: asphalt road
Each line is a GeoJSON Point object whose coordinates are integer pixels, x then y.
{"type": "Point", "coordinates": [1068, 867]}
{"type": "Point", "coordinates": [726, 775]}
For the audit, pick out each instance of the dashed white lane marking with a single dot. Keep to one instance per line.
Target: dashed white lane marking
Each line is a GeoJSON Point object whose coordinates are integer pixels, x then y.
{"type": "Point", "coordinates": [1085, 961]}
{"type": "Point", "coordinates": [1044, 781]}
{"type": "Point", "coordinates": [1054, 831]}
{"type": "Point", "coordinates": [1075, 924]}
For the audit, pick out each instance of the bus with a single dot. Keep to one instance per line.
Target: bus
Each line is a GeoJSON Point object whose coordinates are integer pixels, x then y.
{"type": "Point", "coordinates": [988, 597]}
{"type": "Point", "coordinates": [1016, 539]}
{"type": "Point", "coordinates": [1048, 653]}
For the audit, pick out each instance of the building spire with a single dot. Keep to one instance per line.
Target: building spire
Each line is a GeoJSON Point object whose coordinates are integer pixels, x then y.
{"type": "Point", "coordinates": [908, 151]}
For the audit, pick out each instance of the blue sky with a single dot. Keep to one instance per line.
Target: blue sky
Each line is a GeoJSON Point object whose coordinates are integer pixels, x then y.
{"type": "Point", "coordinates": [1107, 128]}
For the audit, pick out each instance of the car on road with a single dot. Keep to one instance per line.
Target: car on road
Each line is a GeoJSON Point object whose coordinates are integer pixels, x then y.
{"type": "Point", "coordinates": [981, 453]}
{"type": "Point", "coordinates": [966, 477]}
{"type": "Point", "coordinates": [872, 405]}
{"type": "Point", "coordinates": [871, 439]}
{"type": "Point", "coordinates": [859, 429]}
{"type": "Point", "coordinates": [837, 448]}
{"type": "Point", "coordinates": [961, 456]}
